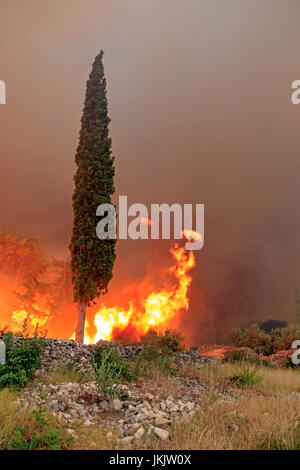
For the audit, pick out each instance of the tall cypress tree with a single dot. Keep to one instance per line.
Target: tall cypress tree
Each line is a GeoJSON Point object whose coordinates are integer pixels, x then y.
{"type": "Point", "coordinates": [92, 259]}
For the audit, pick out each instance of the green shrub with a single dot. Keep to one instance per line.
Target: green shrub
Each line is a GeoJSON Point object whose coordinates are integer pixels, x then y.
{"type": "Point", "coordinates": [39, 434]}
{"type": "Point", "coordinates": [22, 360]}
{"type": "Point", "coordinates": [169, 342]}
{"type": "Point", "coordinates": [153, 361]}
{"type": "Point", "coordinates": [247, 376]}
{"type": "Point", "coordinates": [110, 370]}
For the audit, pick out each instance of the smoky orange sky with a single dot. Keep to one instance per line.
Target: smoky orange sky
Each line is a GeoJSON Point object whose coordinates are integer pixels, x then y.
{"type": "Point", "coordinates": [199, 95]}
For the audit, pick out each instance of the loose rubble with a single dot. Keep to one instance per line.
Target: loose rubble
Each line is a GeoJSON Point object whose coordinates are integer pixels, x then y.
{"type": "Point", "coordinates": [138, 412]}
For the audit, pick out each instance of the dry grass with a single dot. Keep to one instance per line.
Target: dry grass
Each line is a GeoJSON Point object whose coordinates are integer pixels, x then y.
{"type": "Point", "coordinates": [93, 437]}
{"type": "Point", "coordinates": [253, 418]}
{"type": "Point", "coordinates": [65, 373]}
{"type": "Point", "coordinates": [254, 423]}
{"type": "Point", "coordinates": [273, 380]}
{"type": "Point", "coordinates": [8, 415]}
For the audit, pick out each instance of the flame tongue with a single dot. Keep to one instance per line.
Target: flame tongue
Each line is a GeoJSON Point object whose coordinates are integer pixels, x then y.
{"type": "Point", "coordinates": [158, 309]}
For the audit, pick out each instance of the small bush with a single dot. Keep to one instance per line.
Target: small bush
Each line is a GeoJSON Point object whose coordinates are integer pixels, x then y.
{"type": "Point", "coordinates": [110, 370]}
{"type": "Point", "coordinates": [169, 342]}
{"type": "Point", "coordinates": [153, 362]}
{"type": "Point", "coordinates": [22, 360]}
{"type": "Point", "coordinates": [247, 376]}
{"type": "Point", "coordinates": [257, 340]}
{"type": "Point", "coordinates": [39, 434]}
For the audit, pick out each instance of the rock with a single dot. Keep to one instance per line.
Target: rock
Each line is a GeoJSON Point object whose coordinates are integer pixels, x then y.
{"type": "Point", "coordinates": [189, 406]}
{"type": "Point", "coordinates": [71, 431]}
{"type": "Point", "coordinates": [109, 435]}
{"type": "Point", "coordinates": [54, 406]}
{"type": "Point", "coordinates": [162, 434]}
{"type": "Point", "coordinates": [150, 431]}
{"type": "Point", "coordinates": [140, 433]}
{"type": "Point", "coordinates": [142, 416]}
{"type": "Point", "coordinates": [120, 430]}
{"type": "Point", "coordinates": [125, 441]}
{"type": "Point", "coordinates": [249, 352]}
{"type": "Point", "coordinates": [88, 422]}
{"type": "Point", "coordinates": [160, 420]}
{"type": "Point", "coordinates": [104, 405]}
{"type": "Point", "coordinates": [149, 396]}
{"type": "Point", "coordinates": [117, 404]}
{"type": "Point", "coordinates": [174, 408]}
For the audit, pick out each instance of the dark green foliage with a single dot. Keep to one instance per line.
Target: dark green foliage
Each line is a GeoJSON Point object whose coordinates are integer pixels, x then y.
{"type": "Point", "coordinates": [92, 259]}
{"type": "Point", "coordinates": [170, 342]}
{"type": "Point", "coordinates": [22, 361]}
{"type": "Point", "coordinates": [40, 435]}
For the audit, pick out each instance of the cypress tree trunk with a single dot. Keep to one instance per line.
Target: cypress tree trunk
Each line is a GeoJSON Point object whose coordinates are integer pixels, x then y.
{"type": "Point", "coordinates": [79, 337]}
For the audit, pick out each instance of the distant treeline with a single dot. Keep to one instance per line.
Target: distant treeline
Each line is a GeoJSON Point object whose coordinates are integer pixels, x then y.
{"type": "Point", "coordinates": [266, 337]}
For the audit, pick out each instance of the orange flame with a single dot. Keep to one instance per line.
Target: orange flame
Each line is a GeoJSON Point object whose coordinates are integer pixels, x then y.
{"type": "Point", "coordinates": [158, 310]}
{"type": "Point", "coordinates": [38, 319]}
{"type": "Point", "coordinates": [192, 235]}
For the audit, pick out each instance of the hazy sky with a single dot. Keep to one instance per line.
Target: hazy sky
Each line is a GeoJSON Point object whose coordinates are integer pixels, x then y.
{"type": "Point", "coordinates": [199, 97]}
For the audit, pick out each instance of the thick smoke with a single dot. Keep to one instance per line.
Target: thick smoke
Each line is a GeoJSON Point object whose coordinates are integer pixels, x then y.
{"type": "Point", "coordinates": [199, 96]}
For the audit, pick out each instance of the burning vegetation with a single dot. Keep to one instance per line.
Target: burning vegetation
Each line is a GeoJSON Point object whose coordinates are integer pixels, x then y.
{"type": "Point", "coordinates": [39, 291]}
